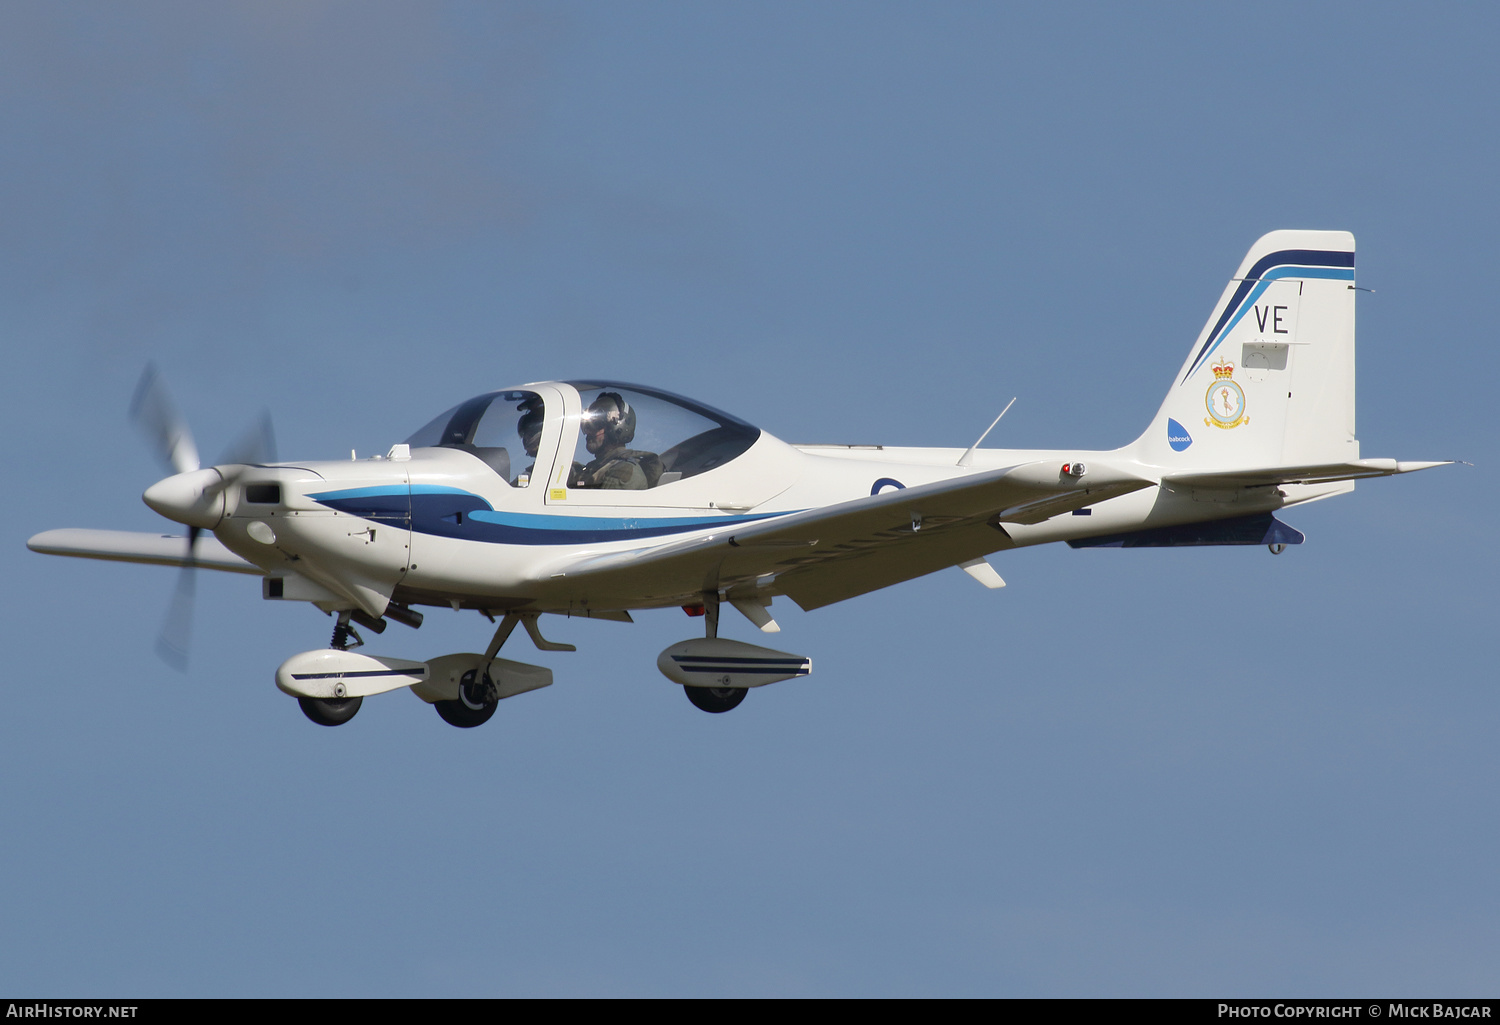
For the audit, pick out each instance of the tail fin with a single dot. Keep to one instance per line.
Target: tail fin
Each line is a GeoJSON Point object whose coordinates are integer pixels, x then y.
{"type": "Point", "coordinates": [1270, 380]}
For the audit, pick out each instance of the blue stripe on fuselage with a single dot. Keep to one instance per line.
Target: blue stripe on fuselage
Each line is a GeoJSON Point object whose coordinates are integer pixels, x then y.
{"type": "Point", "coordinates": [386, 503]}
{"type": "Point", "coordinates": [453, 512]}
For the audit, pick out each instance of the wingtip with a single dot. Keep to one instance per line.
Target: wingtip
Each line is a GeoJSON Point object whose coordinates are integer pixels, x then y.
{"type": "Point", "coordinates": [46, 542]}
{"type": "Point", "coordinates": [1411, 466]}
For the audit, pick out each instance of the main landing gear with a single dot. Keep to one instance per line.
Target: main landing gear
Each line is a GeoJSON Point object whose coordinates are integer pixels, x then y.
{"type": "Point", "coordinates": [716, 673]}
{"type": "Point", "coordinates": [715, 699]}
{"type": "Point", "coordinates": [330, 711]}
{"type": "Point", "coordinates": [479, 693]}
{"type": "Point", "coordinates": [477, 698]}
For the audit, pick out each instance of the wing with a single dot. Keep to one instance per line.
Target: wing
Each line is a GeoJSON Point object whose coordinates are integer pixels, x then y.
{"type": "Point", "coordinates": [127, 546]}
{"type": "Point", "coordinates": [825, 555]}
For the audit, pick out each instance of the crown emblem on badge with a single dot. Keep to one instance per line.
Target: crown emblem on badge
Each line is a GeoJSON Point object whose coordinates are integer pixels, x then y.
{"type": "Point", "coordinates": [1223, 370]}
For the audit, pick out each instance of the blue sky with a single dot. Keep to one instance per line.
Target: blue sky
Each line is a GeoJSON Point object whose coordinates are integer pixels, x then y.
{"type": "Point", "coordinates": [1170, 772]}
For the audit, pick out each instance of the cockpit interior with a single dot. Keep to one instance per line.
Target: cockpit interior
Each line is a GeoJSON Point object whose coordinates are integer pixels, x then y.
{"type": "Point", "coordinates": [620, 436]}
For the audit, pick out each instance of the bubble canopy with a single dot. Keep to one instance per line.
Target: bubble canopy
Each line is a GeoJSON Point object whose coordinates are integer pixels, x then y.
{"type": "Point", "coordinates": [667, 437]}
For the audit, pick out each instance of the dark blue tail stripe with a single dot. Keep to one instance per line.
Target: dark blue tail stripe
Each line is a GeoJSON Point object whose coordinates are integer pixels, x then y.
{"type": "Point", "coordinates": [1297, 257]}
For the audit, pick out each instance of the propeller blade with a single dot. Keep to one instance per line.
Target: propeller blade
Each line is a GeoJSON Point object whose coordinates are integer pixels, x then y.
{"type": "Point", "coordinates": [175, 639]}
{"type": "Point", "coordinates": [256, 445]}
{"type": "Point", "coordinates": [154, 413]}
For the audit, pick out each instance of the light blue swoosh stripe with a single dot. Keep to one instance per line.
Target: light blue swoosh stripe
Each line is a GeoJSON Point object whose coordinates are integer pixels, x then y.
{"type": "Point", "coordinates": [387, 490]}
{"type": "Point", "coordinates": [537, 521]}
{"type": "Point", "coordinates": [540, 521]}
{"type": "Point", "coordinates": [1336, 273]}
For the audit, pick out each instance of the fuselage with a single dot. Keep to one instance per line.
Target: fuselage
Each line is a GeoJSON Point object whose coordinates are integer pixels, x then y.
{"type": "Point", "coordinates": [496, 526]}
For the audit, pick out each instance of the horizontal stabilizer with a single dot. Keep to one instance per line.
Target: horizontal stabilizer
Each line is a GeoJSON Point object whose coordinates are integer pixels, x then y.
{"type": "Point", "coordinates": [130, 546]}
{"type": "Point", "coordinates": [1324, 473]}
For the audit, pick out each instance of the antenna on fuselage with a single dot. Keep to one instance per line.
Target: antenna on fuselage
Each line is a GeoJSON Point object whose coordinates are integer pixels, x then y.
{"type": "Point", "coordinates": [968, 455]}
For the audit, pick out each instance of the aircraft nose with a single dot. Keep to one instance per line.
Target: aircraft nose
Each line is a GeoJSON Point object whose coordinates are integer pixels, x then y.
{"type": "Point", "coordinates": [195, 498]}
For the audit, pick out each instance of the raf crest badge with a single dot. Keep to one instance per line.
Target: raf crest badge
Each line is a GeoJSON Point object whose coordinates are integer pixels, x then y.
{"type": "Point", "coordinates": [1225, 400]}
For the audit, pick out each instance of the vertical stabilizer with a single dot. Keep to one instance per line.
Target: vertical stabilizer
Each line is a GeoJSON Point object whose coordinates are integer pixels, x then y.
{"type": "Point", "coordinates": [1270, 380]}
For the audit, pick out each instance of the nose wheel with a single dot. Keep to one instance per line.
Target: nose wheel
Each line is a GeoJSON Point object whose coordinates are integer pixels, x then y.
{"type": "Point", "coordinates": [477, 698]}
{"type": "Point", "coordinates": [715, 699]}
{"type": "Point", "coordinates": [339, 710]}
{"type": "Point", "coordinates": [330, 711]}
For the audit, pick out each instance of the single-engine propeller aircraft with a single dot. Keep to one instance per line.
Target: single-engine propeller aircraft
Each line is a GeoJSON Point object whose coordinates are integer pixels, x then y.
{"type": "Point", "coordinates": [597, 498]}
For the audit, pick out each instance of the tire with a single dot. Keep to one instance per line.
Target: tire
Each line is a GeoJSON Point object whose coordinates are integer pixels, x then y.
{"type": "Point", "coordinates": [456, 713]}
{"type": "Point", "coordinates": [476, 702]}
{"type": "Point", "coordinates": [330, 711]}
{"type": "Point", "coordinates": [715, 699]}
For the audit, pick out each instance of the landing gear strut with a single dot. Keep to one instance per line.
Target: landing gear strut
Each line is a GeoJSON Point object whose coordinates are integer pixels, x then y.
{"type": "Point", "coordinates": [477, 693]}
{"type": "Point", "coordinates": [345, 636]}
{"type": "Point", "coordinates": [713, 699]}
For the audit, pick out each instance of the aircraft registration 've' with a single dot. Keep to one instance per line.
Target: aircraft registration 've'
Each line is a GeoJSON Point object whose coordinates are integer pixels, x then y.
{"type": "Point", "coordinates": [599, 498]}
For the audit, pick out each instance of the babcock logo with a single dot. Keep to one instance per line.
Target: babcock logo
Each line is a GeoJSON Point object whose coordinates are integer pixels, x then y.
{"type": "Point", "coordinates": [1177, 435]}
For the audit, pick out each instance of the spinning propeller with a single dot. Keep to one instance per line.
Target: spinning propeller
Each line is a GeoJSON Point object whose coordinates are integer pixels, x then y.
{"type": "Point", "coordinates": [189, 493]}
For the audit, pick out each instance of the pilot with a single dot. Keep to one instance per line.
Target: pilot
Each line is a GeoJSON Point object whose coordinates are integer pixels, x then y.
{"type": "Point", "coordinates": [608, 426]}
{"type": "Point", "coordinates": [529, 427]}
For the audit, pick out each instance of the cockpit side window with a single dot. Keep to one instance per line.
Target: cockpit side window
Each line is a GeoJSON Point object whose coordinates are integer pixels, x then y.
{"type": "Point", "coordinates": [635, 439]}
{"type": "Point", "coordinates": [502, 429]}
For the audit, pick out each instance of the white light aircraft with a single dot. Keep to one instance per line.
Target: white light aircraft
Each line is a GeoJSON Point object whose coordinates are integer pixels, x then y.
{"type": "Point", "coordinates": [597, 498]}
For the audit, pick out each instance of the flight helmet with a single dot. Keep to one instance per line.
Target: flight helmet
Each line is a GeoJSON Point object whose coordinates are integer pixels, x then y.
{"type": "Point", "coordinates": [610, 411]}
{"type": "Point", "coordinates": [529, 426]}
